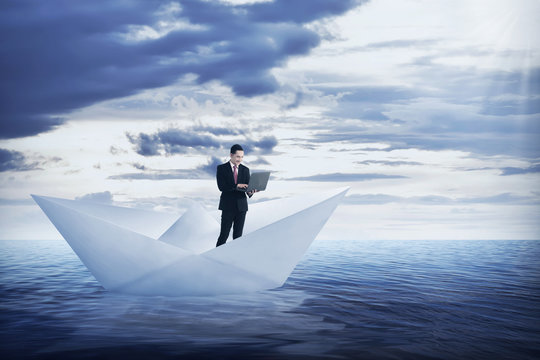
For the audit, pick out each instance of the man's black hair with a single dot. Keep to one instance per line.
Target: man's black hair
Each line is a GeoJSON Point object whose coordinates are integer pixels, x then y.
{"type": "Point", "coordinates": [235, 148]}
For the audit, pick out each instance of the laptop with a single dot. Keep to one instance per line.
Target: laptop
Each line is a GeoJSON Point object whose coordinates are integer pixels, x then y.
{"type": "Point", "coordinates": [258, 181]}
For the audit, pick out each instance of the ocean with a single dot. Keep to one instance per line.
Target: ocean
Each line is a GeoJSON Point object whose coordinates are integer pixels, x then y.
{"type": "Point", "coordinates": [345, 300]}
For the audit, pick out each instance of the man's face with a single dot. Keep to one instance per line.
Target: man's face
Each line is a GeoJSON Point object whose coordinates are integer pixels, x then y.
{"type": "Point", "coordinates": [237, 157]}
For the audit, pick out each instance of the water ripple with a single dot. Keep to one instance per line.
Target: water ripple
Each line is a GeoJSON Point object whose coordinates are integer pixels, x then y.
{"type": "Point", "coordinates": [346, 299]}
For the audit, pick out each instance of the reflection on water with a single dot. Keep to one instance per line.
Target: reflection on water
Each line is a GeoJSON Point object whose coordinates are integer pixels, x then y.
{"type": "Point", "coordinates": [346, 299]}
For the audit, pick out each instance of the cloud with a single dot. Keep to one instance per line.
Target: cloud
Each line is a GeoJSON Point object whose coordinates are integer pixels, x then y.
{"type": "Point", "coordinates": [442, 129]}
{"type": "Point", "coordinates": [504, 198]}
{"type": "Point", "coordinates": [503, 107]}
{"type": "Point", "coordinates": [398, 44]}
{"type": "Point", "coordinates": [144, 144]}
{"type": "Point", "coordinates": [15, 161]}
{"type": "Point", "coordinates": [361, 199]}
{"type": "Point", "coordinates": [339, 177]}
{"type": "Point", "coordinates": [90, 52]}
{"type": "Point", "coordinates": [299, 11]}
{"type": "Point", "coordinates": [170, 204]}
{"type": "Point", "coordinates": [259, 161]}
{"type": "Point", "coordinates": [443, 107]}
{"type": "Point", "coordinates": [104, 197]}
{"type": "Point", "coordinates": [180, 141]}
{"type": "Point", "coordinates": [495, 92]}
{"type": "Point", "coordinates": [171, 141]}
{"type": "Point", "coordinates": [162, 175]}
{"type": "Point", "coordinates": [211, 167]}
{"type": "Point", "coordinates": [116, 151]}
{"type": "Point", "coordinates": [492, 92]}
{"type": "Point", "coordinates": [19, 123]}
{"type": "Point", "coordinates": [139, 166]}
{"type": "Point", "coordinates": [401, 43]}
{"type": "Point", "coordinates": [387, 162]}
{"type": "Point", "coordinates": [17, 202]}
{"type": "Point", "coordinates": [379, 199]}
{"type": "Point", "coordinates": [517, 171]}
{"type": "Point", "coordinates": [218, 130]}
{"type": "Point", "coordinates": [298, 97]}
{"type": "Point", "coordinates": [203, 171]}
{"type": "Point", "coordinates": [263, 146]}
{"type": "Point", "coordinates": [372, 94]}
{"type": "Point", "coordinates": [367, 102]}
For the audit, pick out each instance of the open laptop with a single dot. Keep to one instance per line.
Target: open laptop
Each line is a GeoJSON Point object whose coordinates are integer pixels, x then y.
{"type": "Point", "coordinates": [258, 181]}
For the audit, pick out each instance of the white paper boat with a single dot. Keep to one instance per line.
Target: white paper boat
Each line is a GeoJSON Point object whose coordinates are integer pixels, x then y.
{"type": "Point", "coordinates": [123, 249]}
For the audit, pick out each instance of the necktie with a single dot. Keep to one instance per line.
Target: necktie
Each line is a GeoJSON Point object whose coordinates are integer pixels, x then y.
{"type": "Point", "coordinates": [235, 175]}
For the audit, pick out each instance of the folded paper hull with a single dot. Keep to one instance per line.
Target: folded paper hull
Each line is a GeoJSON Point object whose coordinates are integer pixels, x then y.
{"type": "Point", "coordinates": [123, 250]}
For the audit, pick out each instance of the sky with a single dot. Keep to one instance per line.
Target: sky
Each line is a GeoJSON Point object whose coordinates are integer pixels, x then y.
{"type": "Point", "coordinates": [428, 110]}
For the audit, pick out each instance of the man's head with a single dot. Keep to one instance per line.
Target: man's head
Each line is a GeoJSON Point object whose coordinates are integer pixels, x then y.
{"type": "Point", "coordinates": [237, 154]}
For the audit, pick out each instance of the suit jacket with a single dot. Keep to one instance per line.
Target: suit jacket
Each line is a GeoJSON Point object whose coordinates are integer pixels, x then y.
{"type": "Point", "coordinates": [232, 199]}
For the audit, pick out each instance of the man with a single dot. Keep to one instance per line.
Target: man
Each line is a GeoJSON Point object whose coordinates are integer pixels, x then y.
{"type": "Point", "coordinates": [232, 180]}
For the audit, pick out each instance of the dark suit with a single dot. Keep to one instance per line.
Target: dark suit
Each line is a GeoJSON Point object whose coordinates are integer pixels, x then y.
{"type": "Point", "coordinates": [232, 202]}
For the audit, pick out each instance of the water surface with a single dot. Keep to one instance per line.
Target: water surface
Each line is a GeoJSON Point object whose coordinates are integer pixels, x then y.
{"type": "Point", "coordinates": [344, 300]}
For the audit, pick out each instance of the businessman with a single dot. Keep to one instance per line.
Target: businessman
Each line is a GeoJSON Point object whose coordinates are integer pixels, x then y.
{"type": "Point", "coordinates": [232, 180]}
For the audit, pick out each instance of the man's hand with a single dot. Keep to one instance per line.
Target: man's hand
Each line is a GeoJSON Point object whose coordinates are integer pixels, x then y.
{"type": "Point", "coordinates": [242, 186]}
{"type": "Point", "coordinates": [252, 192]}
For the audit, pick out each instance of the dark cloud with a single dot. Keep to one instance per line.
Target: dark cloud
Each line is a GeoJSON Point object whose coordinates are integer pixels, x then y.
{"type": "Point", "coordinates": [263, 146]}
{"type": "Point", "coordinates": [145, 144]}
{"type": "Point", "coordinates": [104, 197]}
{"type": "Point", "coordinates": [176, 141]}
{"type": "Point", "coordinates": [344, 177]}
{"type": "Point", "coordinates": [172, 141]}
{"type": "Point", "coordinates": [181, 141]}
{"type": "Point", "coordinates": [211, 167]}
{"type": "Point", "coordinates": [299, 11]}
{"type": "Point", "coordinates": [15, 161]}
{"type": "Point", "coordinates": [139, 166]}
{"type": "Point", "coordinates": [517, 171]}
{"type": "Point", "coordinates": [20, 123]}
{"type": "Point", "coordinates": [58, 56]}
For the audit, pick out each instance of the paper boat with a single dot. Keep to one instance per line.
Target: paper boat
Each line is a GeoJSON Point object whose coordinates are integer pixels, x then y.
{"type": "Point", "coordinates": [148, 253]}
